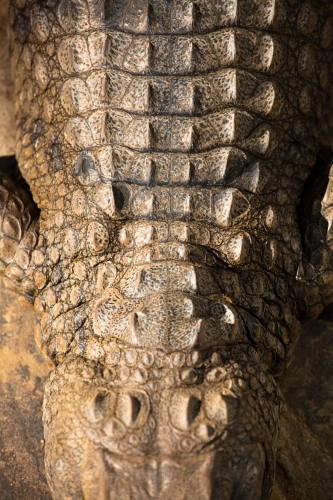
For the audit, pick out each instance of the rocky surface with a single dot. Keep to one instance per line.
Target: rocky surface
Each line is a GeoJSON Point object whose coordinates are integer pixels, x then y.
{"type": "Point", "coordinates": [7, 127]}
{"type": "Point", "coordinates": [304, 465]}
{"type": "Point", "coordinates": [22, 379]}
{"type": "Point", "coordinates": [308, 384]}
{"type": "Point", "coordinates": [304, 462]}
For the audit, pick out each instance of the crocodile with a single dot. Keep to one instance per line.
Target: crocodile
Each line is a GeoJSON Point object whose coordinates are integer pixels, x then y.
{"type": "Point", "coordinates": [170, 222]}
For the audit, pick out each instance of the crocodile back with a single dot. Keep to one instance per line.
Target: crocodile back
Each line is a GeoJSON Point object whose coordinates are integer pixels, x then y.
{"type": "Point", "coordinates": [156, 137]}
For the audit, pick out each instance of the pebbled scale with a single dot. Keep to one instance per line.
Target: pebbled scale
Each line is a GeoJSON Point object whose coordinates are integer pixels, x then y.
{"type": "Point", "coordinates": [167, 144]}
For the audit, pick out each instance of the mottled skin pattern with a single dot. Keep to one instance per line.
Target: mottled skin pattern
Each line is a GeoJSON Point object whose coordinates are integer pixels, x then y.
{"type": "Point", "coordinates": [167, 145]}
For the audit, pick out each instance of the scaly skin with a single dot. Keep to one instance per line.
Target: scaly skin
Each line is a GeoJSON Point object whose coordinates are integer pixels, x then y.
{"type": "Point", "coordinates": [167, 145]}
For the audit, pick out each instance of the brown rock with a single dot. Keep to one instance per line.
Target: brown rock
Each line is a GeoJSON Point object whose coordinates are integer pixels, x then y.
{"type": "Point", "coordinates": [7, 122]}
{"type": "Point", "coordinates": [22, 378]}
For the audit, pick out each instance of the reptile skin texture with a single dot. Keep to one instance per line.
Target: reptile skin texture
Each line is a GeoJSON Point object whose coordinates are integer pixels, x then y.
{"type": "Point", "coordinates": [178, 155]}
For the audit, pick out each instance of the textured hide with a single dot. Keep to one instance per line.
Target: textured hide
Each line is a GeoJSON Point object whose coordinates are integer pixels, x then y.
{"type": "Point", "coordinates": [181, 239]}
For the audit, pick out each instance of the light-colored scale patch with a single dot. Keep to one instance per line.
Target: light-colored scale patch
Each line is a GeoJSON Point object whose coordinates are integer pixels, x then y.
{"type": "Point", "coordinates": [75, 96]}
{"type": "Point", "coordinates": [18, 237]}
{"type": "Point", "coordinates": [41, 70]}
{"type": "Point", "coordinates": [183, 95]}
{"type": "Point", "coordinates": [144, 309]}
{"type": "Point", "coordinates": [185, 16]}
{"type": "Point", "coordinates": [254, 178]}
{"type": "Point", "coordinates": [39, 23]}
{"type": "Point", "coordinates": [169, 133]}
{"type": "Point", "coordinates": [215, 167]}
{"type": "Point", "coordinates": [222, 207]}
{"type": "Point", "coordinates": [195, 54]}
{"type": "Point", "coordinates": [171, 56]}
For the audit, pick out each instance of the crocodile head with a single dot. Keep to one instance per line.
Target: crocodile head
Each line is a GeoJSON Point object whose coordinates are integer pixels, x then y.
{"type": "Point", "coordinates": [180, 427]}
